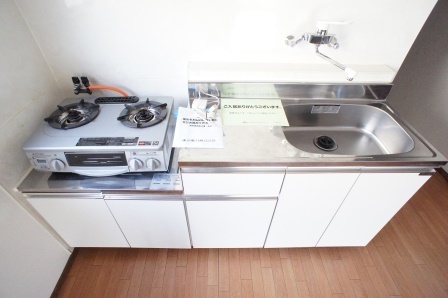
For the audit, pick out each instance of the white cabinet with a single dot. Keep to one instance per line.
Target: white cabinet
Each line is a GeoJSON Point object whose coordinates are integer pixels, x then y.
{"type": "Point", "coordinates": [230, 208]}
{"type": "Point", "coordinates": [152, 221]}
{"type": "Point", "coordinates": [306, 205]}
{"type": "Point", "coordinates": [229, 222]}
{"type": "Point", "coordinates": [81, 220]}
{"type": "Point", "coordinates": [313, 209]}
{"type": "Point", "coordinates": [372, 202]}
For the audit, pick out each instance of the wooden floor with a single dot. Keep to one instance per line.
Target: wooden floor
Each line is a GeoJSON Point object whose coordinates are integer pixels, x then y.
{"type": "Point", "coordinates": [408, 258]}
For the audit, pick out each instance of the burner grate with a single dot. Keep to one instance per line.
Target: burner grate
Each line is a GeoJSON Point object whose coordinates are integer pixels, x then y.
{"type": "Point", "coordinates": [143, 115]}
{"type": "Point", "coordinates": [73, 115]}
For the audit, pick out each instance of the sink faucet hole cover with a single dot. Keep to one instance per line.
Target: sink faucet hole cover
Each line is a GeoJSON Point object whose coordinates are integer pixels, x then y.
{"type": "Point", "coordinates": [325, 143]}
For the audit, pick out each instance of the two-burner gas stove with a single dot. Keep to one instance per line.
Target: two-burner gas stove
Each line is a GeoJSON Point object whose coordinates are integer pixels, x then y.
{"type": "Point", "coordinates": [104, 137]}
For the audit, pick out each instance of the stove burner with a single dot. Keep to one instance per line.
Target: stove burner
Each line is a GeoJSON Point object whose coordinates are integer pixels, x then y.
{"type": "Point", "coordinates": [73, 115]}
{"type": "Point", "coordinates": [143, 115]}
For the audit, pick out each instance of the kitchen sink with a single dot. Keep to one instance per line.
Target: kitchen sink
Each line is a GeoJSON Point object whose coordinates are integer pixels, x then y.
{"type": "Point", "coordinates": [345, 129]}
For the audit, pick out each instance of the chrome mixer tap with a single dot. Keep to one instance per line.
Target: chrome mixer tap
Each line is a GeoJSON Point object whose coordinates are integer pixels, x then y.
{"type": "Point", "coordinates": [321, 37]}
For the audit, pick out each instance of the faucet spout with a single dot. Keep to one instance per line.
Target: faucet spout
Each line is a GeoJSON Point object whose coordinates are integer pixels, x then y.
{"type": "Point", "coordinates": [351, 73]}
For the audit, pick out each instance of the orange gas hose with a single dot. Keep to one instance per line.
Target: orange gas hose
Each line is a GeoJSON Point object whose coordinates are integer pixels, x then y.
{"type": "Point", "coordinates": [108, 88]}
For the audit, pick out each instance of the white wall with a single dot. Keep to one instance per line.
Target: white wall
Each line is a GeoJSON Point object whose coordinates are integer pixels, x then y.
{"type": "Point", "coordinates": [145, 46]}
{"type": "Point", "coordinates": [31, 260]}
{"type": "Point", "coordinates": [420, 92]}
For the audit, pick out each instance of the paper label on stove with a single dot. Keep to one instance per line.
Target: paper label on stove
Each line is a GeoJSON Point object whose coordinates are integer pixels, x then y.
{"type": "Point", "coordinates": [166, 182]}
{"type": "Point", "coordinates": [267, 112]}
{"type": "Point", "coordinates": [196, 131]}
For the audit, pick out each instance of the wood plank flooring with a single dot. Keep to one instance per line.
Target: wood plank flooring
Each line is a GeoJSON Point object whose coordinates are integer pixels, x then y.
{"type": "Point", "coordinates": [408, 258]}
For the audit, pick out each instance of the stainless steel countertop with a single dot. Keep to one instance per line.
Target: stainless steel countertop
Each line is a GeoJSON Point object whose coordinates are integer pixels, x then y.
{"type": "Point", "coordinates": [247, 146]}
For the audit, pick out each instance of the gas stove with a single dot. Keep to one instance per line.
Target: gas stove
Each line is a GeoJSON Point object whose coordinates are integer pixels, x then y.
{"type": "Point", "coordinates": [96, 137]}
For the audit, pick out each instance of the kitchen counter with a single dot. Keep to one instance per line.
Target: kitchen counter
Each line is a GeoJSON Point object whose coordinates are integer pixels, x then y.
{"type": "Point", "coordinates": [252, 146]}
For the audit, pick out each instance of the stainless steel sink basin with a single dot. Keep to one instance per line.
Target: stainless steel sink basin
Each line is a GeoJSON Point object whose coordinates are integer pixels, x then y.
{"type": "Point", "coordinates": [345, 129]}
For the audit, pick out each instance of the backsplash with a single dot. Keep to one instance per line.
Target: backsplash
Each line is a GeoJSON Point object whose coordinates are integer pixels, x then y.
{"type": "Point", "coordinates": [144, 47]}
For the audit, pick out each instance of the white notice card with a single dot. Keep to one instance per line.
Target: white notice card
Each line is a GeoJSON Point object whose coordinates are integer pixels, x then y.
{"type": "Point", "coordinates": [195, 131]}
{"type": "Point", "coordinates": [267, 112]}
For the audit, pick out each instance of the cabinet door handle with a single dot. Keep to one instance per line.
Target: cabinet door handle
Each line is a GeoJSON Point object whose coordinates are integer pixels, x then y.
{"type": "Point", "coordinates": [233, 170]}
{"type": "Point", "coordinates": [426, 173]}
{"type": "Point", "coordinates": [66, 195]}
{"type": "Point", "coordinates": [229, 198]}
{"type": "Point", "coordinates": [320, 170]}
{"type": "Point", "coordinates": [148, 197]}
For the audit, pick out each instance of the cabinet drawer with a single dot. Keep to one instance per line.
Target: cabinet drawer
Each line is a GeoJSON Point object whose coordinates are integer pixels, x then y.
{"type": "Point", "coordinates": [256, 183]}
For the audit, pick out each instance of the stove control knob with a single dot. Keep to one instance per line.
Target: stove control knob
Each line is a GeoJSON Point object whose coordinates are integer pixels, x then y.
{"type": "Point", "coordinates": [152, 164]}
{"type": "Point", "coordinates": [57, 165]}
{"type": "Point", "coordinates": [135, 164]}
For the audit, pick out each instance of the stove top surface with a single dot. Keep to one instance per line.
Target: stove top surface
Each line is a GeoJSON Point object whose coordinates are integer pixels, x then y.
{"type": "Point", "coordinates": [104, 129]}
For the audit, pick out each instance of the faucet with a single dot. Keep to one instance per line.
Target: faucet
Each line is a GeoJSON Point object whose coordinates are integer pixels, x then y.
{"type": "Point", "coordinates": [351, 73]}
{"type": "Point", "coordinates": [319, 38]}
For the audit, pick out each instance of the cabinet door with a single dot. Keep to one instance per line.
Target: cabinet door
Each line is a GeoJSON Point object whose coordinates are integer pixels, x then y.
{"type": "Point", "coordinates": [81, 222]}
{"type": "Point", "coordinates": [229, 223]}
{"type": "Point", "coordinates": [372, 202]}
{"type": "Point", "coordinates": [306, 205]}
{"type": "Point", "coordinates": [152, 223]}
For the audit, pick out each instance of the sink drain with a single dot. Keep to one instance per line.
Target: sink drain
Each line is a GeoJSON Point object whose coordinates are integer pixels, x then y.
{"type": "Point", "coordinates": [325, 143]}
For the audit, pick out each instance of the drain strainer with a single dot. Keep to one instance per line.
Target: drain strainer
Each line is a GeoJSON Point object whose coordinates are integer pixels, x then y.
{"type": "Point", "coordinates": [325, 143]}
